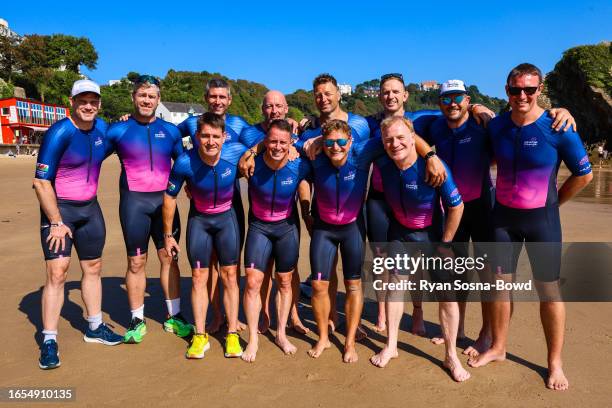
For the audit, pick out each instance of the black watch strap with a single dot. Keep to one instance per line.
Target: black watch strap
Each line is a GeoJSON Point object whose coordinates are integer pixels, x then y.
{"type": "Point", "coordinates": [429, 155]}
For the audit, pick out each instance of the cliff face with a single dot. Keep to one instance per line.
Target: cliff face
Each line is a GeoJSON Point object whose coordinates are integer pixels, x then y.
{"type": "Point", "coordinates": [582, 83]}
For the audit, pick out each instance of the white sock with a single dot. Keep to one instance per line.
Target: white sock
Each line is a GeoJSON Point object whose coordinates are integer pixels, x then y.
{"type": "Point", "coordinates": [49, 335]}
{"type": "Point", "coordinates": [95, 321]}
{"type": "Point", "coordinates": [174, 306]}
{"type": "Point", "coordinates": [139, 312]}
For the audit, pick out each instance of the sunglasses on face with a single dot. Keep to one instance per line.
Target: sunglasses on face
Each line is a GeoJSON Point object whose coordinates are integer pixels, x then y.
{"type": "Point", "coordinates": [447, 100]}
{"type": "Point", "coordinates": [394, 75]}
{"type": "Point", "coordinates": [331, 142]}
{"type": "Point", "coordinates": [516, 91]}
{"type": "Point", "coordinates": [147, 79]}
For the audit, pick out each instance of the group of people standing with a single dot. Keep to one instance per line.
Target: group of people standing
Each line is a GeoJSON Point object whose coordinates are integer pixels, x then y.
{"type": "Point", "coordinates": [323, 166]}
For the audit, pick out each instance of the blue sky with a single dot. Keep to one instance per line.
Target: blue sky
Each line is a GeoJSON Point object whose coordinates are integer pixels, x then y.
{"type": "Point", "coordinates": [284, 44]}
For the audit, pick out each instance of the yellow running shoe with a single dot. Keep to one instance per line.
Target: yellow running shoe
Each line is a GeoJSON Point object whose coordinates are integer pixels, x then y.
{"type": "Point", "coordinates": [199, 345]}
{"type": "Point", "coordinates": [232, 345]}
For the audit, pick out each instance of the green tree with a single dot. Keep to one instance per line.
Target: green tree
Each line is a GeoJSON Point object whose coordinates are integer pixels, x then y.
{"type": "Point", "coordinates": [116, 100]}
{"type": "Point", "coordinates": [71, 52]}
{"type": "Point", "coordinates": [32, 54]}
{"type": "Point", "coordinates": [9, 58]}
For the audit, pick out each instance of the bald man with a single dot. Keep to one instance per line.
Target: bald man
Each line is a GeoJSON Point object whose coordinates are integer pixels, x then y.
{"type": "Point", "coordinates": [274, 106]}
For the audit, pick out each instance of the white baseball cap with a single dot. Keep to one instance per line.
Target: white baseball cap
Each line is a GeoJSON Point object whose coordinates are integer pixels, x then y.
{"type": "Point", "coordinates": [84, 85]}
{"type": "Point", "coordinates": [452, 86]}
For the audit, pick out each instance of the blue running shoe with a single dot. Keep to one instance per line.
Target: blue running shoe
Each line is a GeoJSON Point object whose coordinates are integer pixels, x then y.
{"type": "Point", "coordinates": [49, 356]}
{"type": "Point", "coordinates": [102, 335]}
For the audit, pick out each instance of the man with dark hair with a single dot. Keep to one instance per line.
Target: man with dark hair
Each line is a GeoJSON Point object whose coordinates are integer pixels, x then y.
{"type": "Point", "coordinates": [66, 184]}
{"type": "Point", "coordinates": [146, 146]}
{"type": "Point", "coordinates": [218, 99]}
{"type": "Point", "coordinates": [274, 107]}
{"type": "Point", "coordinates": [528, 152]}
{"type": "Point", "coordinates": [210, 171]}
{"type": "Point", "coordinates": [273, 231]}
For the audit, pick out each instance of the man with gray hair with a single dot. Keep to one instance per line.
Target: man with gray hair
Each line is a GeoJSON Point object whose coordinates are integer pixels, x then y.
{"type": "Point", "coordinates": [146, 145]}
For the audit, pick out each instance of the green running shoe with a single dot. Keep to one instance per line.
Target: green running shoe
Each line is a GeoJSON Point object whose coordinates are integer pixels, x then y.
{"type": "Point", "coordinates": [232, 345]}
{"type": "Point", "coordinates": [178, 325]}
{"type": "Point", "coordinates": [199, 345]}
{"type": "Point", "coordinates": [135, 332]}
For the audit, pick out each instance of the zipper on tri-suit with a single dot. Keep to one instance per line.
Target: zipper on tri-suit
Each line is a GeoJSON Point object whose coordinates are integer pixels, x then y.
{"type": "Point", "coordinates": [401, 193]}
{"type": "Point", "coordinates": [273, 195]}
{"type": "Point", "coordinates": [215, 190]}
{"type": "Point", "coordinates": [517, 150]}
{"type": "Point", "coordinates": [150, 146]}
{"type": "Point", "coordinates": [90, 156]}
{"type": "Point", "coordinates": [337, 192]}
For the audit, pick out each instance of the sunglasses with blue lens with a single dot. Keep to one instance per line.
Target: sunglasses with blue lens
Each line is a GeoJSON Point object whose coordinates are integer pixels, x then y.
{"type": "Point", "coordinates": [447, 100]}
{"type": "Point", "coordinates": [331, 142]}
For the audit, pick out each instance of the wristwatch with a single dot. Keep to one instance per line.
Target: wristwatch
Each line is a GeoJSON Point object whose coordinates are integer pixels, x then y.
{"type": "Point", "coordinates": [429, 155]}
{"type": "Point", "coordinates": [57, 224]}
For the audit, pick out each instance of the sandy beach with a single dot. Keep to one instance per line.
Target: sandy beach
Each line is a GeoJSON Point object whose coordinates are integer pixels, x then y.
{"type": "Point", "coordinates": [156, 373]}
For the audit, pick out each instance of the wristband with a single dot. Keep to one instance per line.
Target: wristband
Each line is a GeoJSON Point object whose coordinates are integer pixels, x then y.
{"type": "Point", "coordinates": [429, 155]}
{"type": "Point", "coordinates": [168, 235]}
{"type": "Point", "coordinates": [57, 224]}
{"type": "Point", "coordinates": [253, 153]}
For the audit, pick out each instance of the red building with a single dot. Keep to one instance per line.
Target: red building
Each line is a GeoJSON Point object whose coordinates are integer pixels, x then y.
{"type": "Point", "coordinates": [24, 121]}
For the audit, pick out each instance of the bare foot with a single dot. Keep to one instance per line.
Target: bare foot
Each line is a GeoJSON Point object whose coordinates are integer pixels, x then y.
{"type": "Point", "coordinates": [241, 326]}
{"type": "Point", "coordinates": [215, 325]}
{"type": "Point", "coordinates": [482, 344]}
{"type": "Point", "coordinates": [299, 327]}
{"type": "Point", "coordinates": [285, 345]}
{"type": "Point", "coordinates": [440, 340]}
{"type": "Point", "coordinates": [557, 380]}
{"type": "Point", "coordinates": [264, 325]}
{"type": "Point", "coordinates": [487, 357]}
{"type": "Point", "coordinates": [360, 334]}
{"type": "Point", "coordinates": [381, 326]}
{"type": "Point", "coordinates": [418, 324]}
{"type": "Point", "coordinates": [382, 359]}
{"type": "Point", "coordinates": [350, 354]}
{"type": "Point", "coordinates": [250, 352]}
{"type": "Point", "coordinates": [319, 348]}
{"type": "Point", "coordinates": [457, 371]}
{"type": "Point", "coordinates": [332, 326]}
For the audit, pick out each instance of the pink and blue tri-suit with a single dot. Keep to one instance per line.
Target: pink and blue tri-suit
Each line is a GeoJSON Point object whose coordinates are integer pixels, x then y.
{"type": "Point", "coordinates": [146, 151]}
{"type": "Point", "coordinates": [412, 200]}
{"type": "Point", "coordinates": [527, 203]}
{"type": "Point", "coordinates": [378, 213]}
{"type": "Point", "coordinates": [234, 126]}
{"type": "Point", "coordinates": [273, 223]}
{"type": "Point", "coordinates": [339, 197]}
{"type": "Point", "coordinates": [467, 152]}
{"type": "Point", "coordinates": [70, 158]}
{"type": "Point", "coordinates": [212, 220]}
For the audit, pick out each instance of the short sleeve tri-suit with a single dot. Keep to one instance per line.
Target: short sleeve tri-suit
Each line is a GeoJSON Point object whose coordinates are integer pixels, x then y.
{"type": "Point", "coordinates": [414, 204]}
{"type": "Point", "coordinates": [212, 219]}
{"type": "Point", "coordinates": [339, 198]}
{"type": "Point", "coordinates": [527, 202]}
{"type": "Point", "coordinates": [377, 210]}
{"type": "Point", "coordinates": [234, 126]}
{"type": "Point", "coordinates": [146, 151]}
{"type": "Point", "coordinates": [70, 158]}
{"type": "Point", "coordinates": [272, 217]}
{"type": "Point", "coordinates": [466, 151]}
